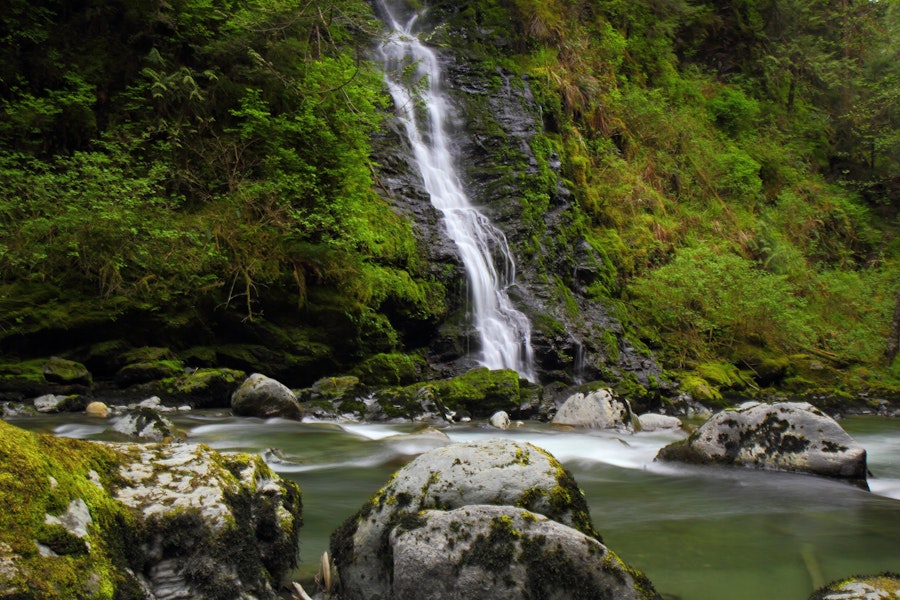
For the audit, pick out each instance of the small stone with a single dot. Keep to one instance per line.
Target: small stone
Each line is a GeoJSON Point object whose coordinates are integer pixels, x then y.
{"type": "Point", "coordinates": [97, 409]}
{"type": "Point", "coordinates": [500, 420]}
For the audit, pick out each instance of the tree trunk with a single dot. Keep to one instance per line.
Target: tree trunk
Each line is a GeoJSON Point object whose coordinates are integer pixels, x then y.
{"type": "Point", "coordinates": [893, 344]}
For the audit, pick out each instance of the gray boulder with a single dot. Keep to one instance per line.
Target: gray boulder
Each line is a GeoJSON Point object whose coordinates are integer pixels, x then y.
{"type": "Point", "coordinates": [493, 472]}
{"type": "Point", "coordinates": [50, 403]}
{"type": "Point", "coordinates": [503, 553]}
{"type": "Point", "coordinates": [599, 409]}
{"type": "Point", "coordinates": [657, 422]}
{"type": "Point", "coordinates": [195, 506]}
{"type": "Point", "coordinates": [788, 436]}
{"type": "Point", "coordinates": [147, 424]}
{"type": "Point", "coordinates": [261, 396]}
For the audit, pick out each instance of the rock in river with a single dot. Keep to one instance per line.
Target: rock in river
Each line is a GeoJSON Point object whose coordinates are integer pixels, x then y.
{"type": "Point", "coordinates": [83, 519]}
{"type": "Point", "coordinates": [261, 396]}
{"type": "Point", "coordinates": [440, 497]}
{"type": "Point", "coordinates": [788, 436]}
{"type": "Point", "coordinates": [597, 410]}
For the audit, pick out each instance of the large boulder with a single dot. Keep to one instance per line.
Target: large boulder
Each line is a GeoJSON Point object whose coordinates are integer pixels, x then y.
{"type": "Point", "coordinates": [599, 409]}
{"type": "Point", "coordinates": [497, 472]}
{"type": "Point", "coordinates": [788, 436]}
{"type": "Point", "coordinates": [261, 396]}
{"type": "Point", "coordinates": [83, 519]}
{"type": "Point", "coordinates": [503, 553]}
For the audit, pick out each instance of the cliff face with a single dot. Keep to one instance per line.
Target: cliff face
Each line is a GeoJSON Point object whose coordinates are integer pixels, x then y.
{"type": "Point", "coordinates": [511, 170]}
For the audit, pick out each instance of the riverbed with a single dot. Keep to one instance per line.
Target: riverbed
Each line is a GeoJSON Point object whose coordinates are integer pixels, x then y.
{"type": "Point", "coordinates": [698, 533]}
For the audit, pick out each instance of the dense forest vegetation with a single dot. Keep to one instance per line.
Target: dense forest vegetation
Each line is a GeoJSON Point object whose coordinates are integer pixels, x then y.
{"type": "Point", "coordinates": [198, 173]}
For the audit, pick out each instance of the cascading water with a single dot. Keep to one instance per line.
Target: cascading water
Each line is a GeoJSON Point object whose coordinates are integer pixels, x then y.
{"type": "Point", "coordinates": [413, 76]}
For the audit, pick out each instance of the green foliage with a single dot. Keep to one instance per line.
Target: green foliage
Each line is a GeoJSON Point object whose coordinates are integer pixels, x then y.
{"type": "Point", "coordinates": [704, 303]}
{"type": "Point", "coordinates": [202, 154]}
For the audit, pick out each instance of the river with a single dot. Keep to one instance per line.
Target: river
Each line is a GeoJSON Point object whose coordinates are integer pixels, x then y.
{"type": "Point", "coordinates": [698, 533]}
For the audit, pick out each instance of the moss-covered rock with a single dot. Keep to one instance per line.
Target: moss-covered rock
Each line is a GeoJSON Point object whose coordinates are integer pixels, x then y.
{"type": "Point", "coordinates": [700, 389]}
{"type": "Point", "coordinates": [67, 372]}
{"type": "Point", "coordinates": [389, 369]}
{"type": "Point", "coordinates": [87, 520]}
{"type": "Point", "coordinates": [884, 586]}
{"type": "Point", "coordinates": [481, 392]}
{"type": "Point", "coordinates": [518, 480]}
{"type": "Point", "coordinates": [201, 388]}
{"type": "Point", "coordinates": [504, 553]}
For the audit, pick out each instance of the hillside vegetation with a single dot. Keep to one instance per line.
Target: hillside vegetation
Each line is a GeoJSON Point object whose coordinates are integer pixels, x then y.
{"type": "Point", "coordinates": [198, 172]}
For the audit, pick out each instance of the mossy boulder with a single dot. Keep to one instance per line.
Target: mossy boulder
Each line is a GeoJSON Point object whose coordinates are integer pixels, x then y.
{"type": "Point", "coordinates": [261, 396]}
{"type": "Point", "coordinates": [480, 392]}
{"type": "Point", "coordinates": [438, 502]}
{"type": "Point", "coordinates": [885, 586]}
{"type": "Point", "coordinates": [499, 472]}
{"type": "Point", "coordinates": [700, 389]}
{"type": "Point", "coordinates": [67, 372]}
{"type": "Point", "coordinates": [148, 371]}
{"type": "Point", "coordinates": [88, 520]}
{"type": "Point", "coordinates": [20, 380]}
{"type": "Point", "coordinates": [504, 553]}
{"type": "Point", "coordinates": [389, 369]}
{"type": "Point", "coordinates": [201, 388]}
{"type": "Point", "coordinates": [787, 436]}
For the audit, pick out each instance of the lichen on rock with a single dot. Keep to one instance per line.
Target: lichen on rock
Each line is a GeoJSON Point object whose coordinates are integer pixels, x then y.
{"type": "Point", "coordinates": [520, 478]}
{"type": "Point", "coordinates": [83, 519]}
{"type": "Point", "coordinates": [787, 436]}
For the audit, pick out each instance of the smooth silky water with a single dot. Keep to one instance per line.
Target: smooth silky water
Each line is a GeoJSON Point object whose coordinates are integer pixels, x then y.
{"type": "Point", "coordinates": [698, 533]}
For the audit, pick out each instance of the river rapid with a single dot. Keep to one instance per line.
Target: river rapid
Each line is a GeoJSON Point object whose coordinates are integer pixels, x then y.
{"type": "Point", "coordinates": [698, 533]}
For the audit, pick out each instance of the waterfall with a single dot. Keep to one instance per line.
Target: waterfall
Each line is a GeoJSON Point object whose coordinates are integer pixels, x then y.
{"type": "Point", "coordinates": [413, 74]}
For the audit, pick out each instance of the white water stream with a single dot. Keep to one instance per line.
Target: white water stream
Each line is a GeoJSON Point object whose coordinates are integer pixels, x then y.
{"type": "Point", "coordinates": [413, 75]}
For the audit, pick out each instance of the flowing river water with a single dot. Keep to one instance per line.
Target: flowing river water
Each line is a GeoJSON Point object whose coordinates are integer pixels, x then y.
{"type": "Point", "coordinates": [698, 533]}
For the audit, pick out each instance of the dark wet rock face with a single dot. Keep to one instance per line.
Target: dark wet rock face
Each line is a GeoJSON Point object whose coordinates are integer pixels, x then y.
{"type": "Point", "coordinates": [511, 172]}
{"type": "Point", "coordinates": [789, 436]}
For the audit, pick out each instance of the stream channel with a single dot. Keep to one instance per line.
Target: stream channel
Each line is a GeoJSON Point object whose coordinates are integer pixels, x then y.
{"type": "Point", "coordinates": [698, 533]}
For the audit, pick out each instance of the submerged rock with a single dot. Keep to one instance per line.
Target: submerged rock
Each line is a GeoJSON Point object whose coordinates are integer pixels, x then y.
{"type": "Point", "coordinates": [597, 410]}
{"type": "Point", "coordinates": [788, 436]}
{"type": "Point", "coordinates": [885, 586]}
{"type": "Point", "coordinates": [261, 396]}
{"type": "Point", "coordinates": [516, 476]}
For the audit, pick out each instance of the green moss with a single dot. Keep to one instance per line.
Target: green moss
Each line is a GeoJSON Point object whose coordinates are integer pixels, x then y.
{"type": "Point", "coordinates": [495, 551]}
{"type": "Point", "coordinates": [887, 582]}
{"type": "Point", "coordinates": [27, 464]}
{"type": "Point", "coordinates": [389, 369]}
{"type": "Point", "coordinates": [59, 370]}
{"type": "Point", "coordinates": [700, 389]}
{"type": "Point", "coordinates": [481, 391]}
